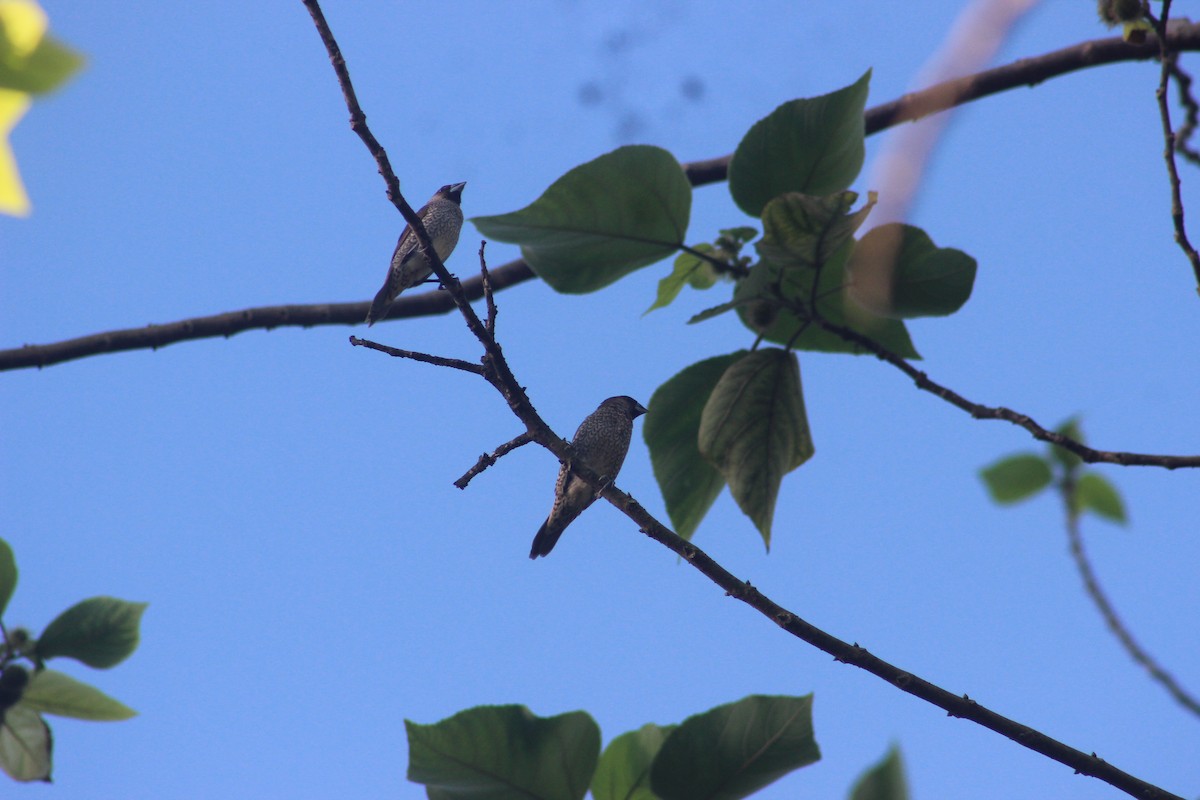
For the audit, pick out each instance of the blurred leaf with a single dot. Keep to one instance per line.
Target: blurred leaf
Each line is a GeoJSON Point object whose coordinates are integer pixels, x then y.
{"type": "Point", "coordinates": [717, 311]}
{"type": "Point", "coordinates": [8, 575]}
{"type": "Point", "coordinates": [754, 430]}
{"type": "Point", "coordinates": [53, 692]}
{"type": "Point", "coordinates": [811, 145]}
{"type": "Point", "coordinates": [783, 326]}
{"type": "Point", "coordinates": [25, 745]}
{"type": "Point", "coordinates": [896, 270]}
{"type": "Point", "coordinates": [500, 752]}
{"type": "Point", "coordinates": [689, 269]}
{"type": "Point", "coordinates": [602, 220]}
{"type": "Point", "coordinates": [741, 234]}
{"type": "Point", "coordinates": [1072, 429]}
{"type": "Point", "coordinates": [624, 769]}
{"type": "Point", "coordinates": [736, 749]}
{"type": "Point", "coordinates": [689, 484]}
{"type": "Point", "coordinates": [800, 230]}
{"type": "Point", "coordinates": [13, 199]}
{"type": "Point", "coordinates": [101, 632]}
{"type": "Point", "coordinates": [883, 781]}
{"type": "Point", "coordinates": [1095, 493]}
{"type": "Point", "coordinates": [31, 60]}
{"type": "Point", "coordinates": [1016, 478]}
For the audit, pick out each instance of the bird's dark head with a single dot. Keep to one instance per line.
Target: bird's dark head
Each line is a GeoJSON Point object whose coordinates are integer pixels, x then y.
{"type": "Point", "coordinates": [452, 191]}
{"type": "Point", "coordinates": [626, 404]}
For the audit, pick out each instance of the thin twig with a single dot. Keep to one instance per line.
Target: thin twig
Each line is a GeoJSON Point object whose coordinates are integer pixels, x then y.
{"type": "Point", "coordinates": [486, 460]}
{"type": "Point", "coordinates": [425, 358]}
{"type": "Point", "coordinates": [979, 411]}
{"type": "Point", "coordinates": [1191, 111]}
{"type": "Point", "coordinates": [498, 373]}
{"type": "Point", "coordinates": [1092, 584]}
{"type": "Point", "coordinates": [1024, 72]}
{"type": "Point", "coordinates": [489, 298]}
{"type": "Point", "coordinates": [1168, 54]}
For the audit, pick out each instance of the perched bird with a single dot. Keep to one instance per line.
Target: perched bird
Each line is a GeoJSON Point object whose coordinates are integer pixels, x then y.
{"type": "Point", "coordinates": [600, 445]}
{"type": "Point", "coordinates": [443, 218]}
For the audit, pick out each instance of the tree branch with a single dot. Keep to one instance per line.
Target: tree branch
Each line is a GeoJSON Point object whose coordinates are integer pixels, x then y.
{"type": "Point", "coordinates": [497, 373]}
{"type": "Point", "coordinates": [1025, 72]}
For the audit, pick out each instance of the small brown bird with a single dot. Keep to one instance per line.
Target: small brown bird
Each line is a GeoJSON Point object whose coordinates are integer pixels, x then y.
{"type": "Point", "coordinates": [600, 445]}
{"type": "Point", "coordinates": [443, 218]}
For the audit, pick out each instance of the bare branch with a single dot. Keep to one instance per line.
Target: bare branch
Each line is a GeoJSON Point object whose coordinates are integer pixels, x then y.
{"type": "Point", "coordinates": [487, 460]}
{"type": "Point", "coordinates": [1025, 72]}
{"type": "Point", "coordinates": [426, 358]}
{"type": "Point", "coordinates": [979, 411]}
{"type": "Point", "coordinates": [488, 296]}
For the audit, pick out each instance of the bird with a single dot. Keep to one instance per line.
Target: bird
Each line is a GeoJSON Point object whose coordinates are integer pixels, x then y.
{"type": "Point", "coordinates": [443, 218]}
{"type": "Point", "coordinates": [600, 445]}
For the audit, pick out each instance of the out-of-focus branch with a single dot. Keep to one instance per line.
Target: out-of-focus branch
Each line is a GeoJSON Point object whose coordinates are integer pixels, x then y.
{"type": "Point", "coordinates": [1025, 72]}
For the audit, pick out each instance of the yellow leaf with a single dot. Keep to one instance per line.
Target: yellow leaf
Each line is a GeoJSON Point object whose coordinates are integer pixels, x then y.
{"type": "Point", "coordinates": [24, 25]}
{"type": "Point", "coordinates": [13, 199]}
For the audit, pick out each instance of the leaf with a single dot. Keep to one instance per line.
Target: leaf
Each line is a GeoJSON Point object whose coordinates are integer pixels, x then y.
{"type": "Point", "coordinates": [1095, 493]}
{"type": "Point", "coordinates": [1016, 478]}
{"type": "Point", "coordinates": [624, 769]}
{"type": "Point", "coordinates": [53, 692]}
{"type": "Point", "coordinates": [811, 145]}
{"type": "Point", "coordinates": [13, 199]}
{"type": "Point", "coordinates": [1072, 429]}
{"type": "Point", "coordinates": [717, 311]}
{"type": "Point", "coordinates": [754, 430]}
{"type": "Point", "coordinates": [8, 575]}
{"type": "Point", "coordinates": [783, 326]}
{"type": "Point", "coordinates": [31, 61]}
{"type": "Point", "coordinates": [800, 230]}
{"type": "Point", "coordinates": [688, 483]}
{"type": "Point", "coordinates": [884, 780]}
{"type": "Point", "coordinates": [690, 270]}
{"type": "Point", "coordinates": [101, 632]}
{"type": "Point", "coordinates": [896, 270]}
{"type": "Point", "coordinates": [602, 220]}
{"type": "Point", "coordinates": [25, 745]}
{"type": "Point", "coordinates": [736, 749]}
{"type": "Point", "coordinates": [502, 752]}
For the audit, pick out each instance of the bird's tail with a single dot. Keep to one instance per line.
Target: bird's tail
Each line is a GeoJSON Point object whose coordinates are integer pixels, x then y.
{"type": "Point", "coordinates": [547, 537]}
{"type": "Point", "coordinates": [381, 303]}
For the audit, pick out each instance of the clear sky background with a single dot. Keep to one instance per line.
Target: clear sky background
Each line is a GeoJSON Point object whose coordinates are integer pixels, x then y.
{"type": "Point", "coordinates": [284, 501]}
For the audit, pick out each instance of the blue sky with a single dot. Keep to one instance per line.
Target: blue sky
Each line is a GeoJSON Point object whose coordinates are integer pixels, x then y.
{"type": "Point", "coordinates": [284, 501]}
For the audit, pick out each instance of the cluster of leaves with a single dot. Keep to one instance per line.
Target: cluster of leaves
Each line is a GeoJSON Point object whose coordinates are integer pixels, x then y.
{"type": "Point", "coordinates": [739, 419]}
{"type": "Point", "coordinates": [100, 632]}
{"type": "Point", "coordinates": [728, 752]}
{"type": "Point", "coordinates": [1021, 476]}
{"type": "Point", "coordinates": [32, 62]}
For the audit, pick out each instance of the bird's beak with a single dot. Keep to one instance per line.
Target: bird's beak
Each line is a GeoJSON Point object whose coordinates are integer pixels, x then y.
{"type": "Point", "coordinates": [456, 188]}
{"type": "Point", "coordinates": [638, 410]}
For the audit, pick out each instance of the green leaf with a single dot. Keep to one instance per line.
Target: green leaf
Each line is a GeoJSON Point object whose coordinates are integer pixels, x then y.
{"type": "Point", "coordinates": [896, 270]}
{"type": "Point", "coordinates": [502, 752]}
{"type": "Point", "coordinates": [688, 483]}
{"type": "Point", "coordinates": [689, 269]}
{"type": "Point", "coordinates": [884, 780]}
{"type": "Point", "coordinates": [53, 692]}
{"type": "Point", "coordinates": [101, 632]}
{"type": "Point", "coordinates": [8, 575]}
{"type": "Point", "coordinates": [812, 145]}
{"type": "Point", "coordinates": [25, 745]}
{"type": "Point", "coordinates": [717, 311]}
{"type": "Point", "coordinates": [736, 749]}
{"type": "Point", "coordinates": [754, 430]}
{"type": "Point", "coordinates": [1016, 478]}
{"type": "Point", "coordinates": [32, 61]}
{"type": "Point", "coordinates": [800, 230]}
{"type": "Point", "coordinates": [782, 325]}
{"type": "Point", "coordinates": [624, 769]}
{"type": "Point", "coordinates": [602, 220]}
{"type": "Point", "coordinates": [1095, 493]}
{"type": "Point", "coordinates": [1072, 429]}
